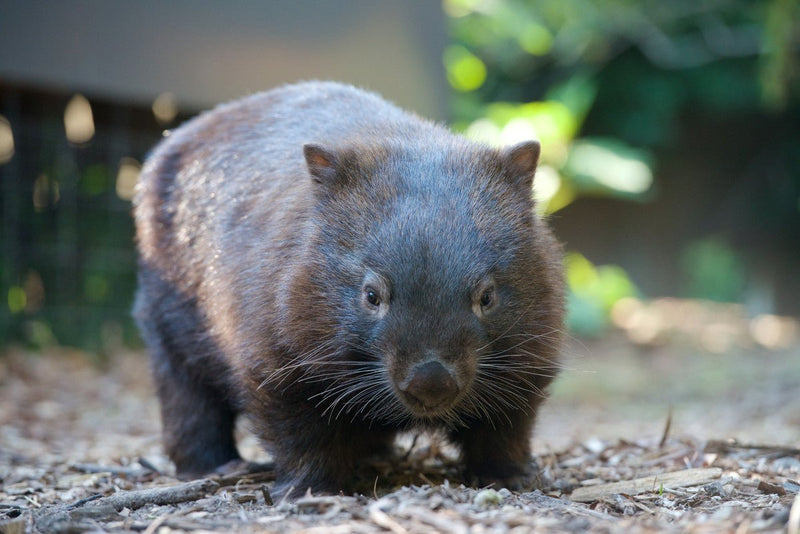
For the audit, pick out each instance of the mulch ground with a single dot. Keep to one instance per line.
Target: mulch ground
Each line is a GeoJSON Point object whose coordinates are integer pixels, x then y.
{"type": "Point", "coordinates": [664, 438]}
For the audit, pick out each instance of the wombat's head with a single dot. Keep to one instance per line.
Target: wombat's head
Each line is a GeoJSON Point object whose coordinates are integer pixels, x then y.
{"type": "Point", "coordinates": [435, 293]}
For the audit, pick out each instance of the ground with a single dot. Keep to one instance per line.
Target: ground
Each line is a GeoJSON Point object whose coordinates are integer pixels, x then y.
{"type": "Point", "coordinates": [695, 441]}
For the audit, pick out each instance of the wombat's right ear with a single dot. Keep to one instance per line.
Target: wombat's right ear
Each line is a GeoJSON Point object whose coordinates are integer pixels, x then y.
{"type": "Point", "coordinates": [521, 160]}
{"type": "Point", "coordinates": [322, 164]}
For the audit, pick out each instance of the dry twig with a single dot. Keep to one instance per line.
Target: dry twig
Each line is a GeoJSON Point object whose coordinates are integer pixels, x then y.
{"type": "Point", "coordinates": [687, 477]}
{"type": "Point", "coordinates": [188, 491]}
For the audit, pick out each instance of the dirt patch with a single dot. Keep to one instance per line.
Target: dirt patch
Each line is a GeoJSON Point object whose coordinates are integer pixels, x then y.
{"type": "Point", "coordinates": [633, 438]}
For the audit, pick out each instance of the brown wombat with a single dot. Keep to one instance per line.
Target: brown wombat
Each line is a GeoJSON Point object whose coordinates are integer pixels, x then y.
{"type": "Point", "coordinates": [341, 270]}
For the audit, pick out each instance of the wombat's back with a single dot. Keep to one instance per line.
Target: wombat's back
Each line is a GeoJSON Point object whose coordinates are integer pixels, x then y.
{"type": "Point", "coordinates": [245, 158]}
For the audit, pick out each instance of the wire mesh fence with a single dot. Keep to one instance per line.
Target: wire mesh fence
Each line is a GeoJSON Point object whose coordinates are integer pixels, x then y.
{"type": "Point", "coordinates": [67, 172]}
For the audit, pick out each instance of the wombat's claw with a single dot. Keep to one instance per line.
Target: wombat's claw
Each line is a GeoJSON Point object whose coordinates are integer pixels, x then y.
{"type": "Point", "coordinates": [242, 467]}
{"type": "Point", "coordinates": [524, 481]}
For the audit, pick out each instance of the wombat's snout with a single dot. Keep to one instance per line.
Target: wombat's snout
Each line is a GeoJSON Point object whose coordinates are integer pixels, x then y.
{"type": "Point", "coordinates": [430, 384]}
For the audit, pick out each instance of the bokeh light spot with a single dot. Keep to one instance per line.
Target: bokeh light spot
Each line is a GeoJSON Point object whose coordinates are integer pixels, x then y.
{"type": "Point", "coordinates": [6, 140]}
{"type": "Point", "coordinates": [127, 177]}
{"type": "Point", "coordinates": [465, 71]}
{"type": "Point", "coordinates": [165, 108]}
{"type": "Point", "coordinates": [78, 120]}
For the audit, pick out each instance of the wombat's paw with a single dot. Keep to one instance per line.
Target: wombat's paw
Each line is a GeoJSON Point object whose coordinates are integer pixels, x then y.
{"type": "Point", "coordinates": [231, 467]}
{"type": "Point", "coordinates": [518, 478]}
{"type": "Point", "coordinates": [243, 467]}
{"type": "Point", "coordinates": [294, 488]}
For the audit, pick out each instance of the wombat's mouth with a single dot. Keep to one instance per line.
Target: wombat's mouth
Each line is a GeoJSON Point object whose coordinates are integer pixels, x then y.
{"type": "Point", "coordinates": [427, 410]}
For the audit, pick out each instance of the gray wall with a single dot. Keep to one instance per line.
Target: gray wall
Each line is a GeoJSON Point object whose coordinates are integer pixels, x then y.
{"type": "Point", "coordinates": [214, 50]}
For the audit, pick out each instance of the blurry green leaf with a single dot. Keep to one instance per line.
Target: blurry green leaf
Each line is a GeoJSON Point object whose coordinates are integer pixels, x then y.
{"type": "Point", "coordinates": [550, 122]}
{"type": "Point", "coordinates": [16, 299]}
{"type": "Point", "coordinates": [779, 61]}
{"type": "Point", "coordinates": [713, 271]}
{"type": "Point", "coordinates": [581, 274]}
{"type": "Point", "coordinates": [563, 198]}
{"type": "Point", "coordinates": [545, 186]}
{"type": "Point", "coordinates": [584, 315]}
{"type": "Point", "coordinates": [465, 71]}
{"type": "Point", "coordinates": [96, 179]}
{"type": "Point", "coordinates": [536, 39]}
{"type": "Point", "coordinates": [39, 334]}
{"type": "Point", "coordinates": [613, 284]}
{"type": "Point", "coordinates": [96, 288]}
{"type": "Point", "coordinates": [609, 166]}
{"type": "Point", "coordinates": [460, 8]}
{"type": "Point", "coordinates": [577, 94]}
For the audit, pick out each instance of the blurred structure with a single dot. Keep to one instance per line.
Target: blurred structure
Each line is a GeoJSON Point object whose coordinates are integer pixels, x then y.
{"type": "Point", "coordinates": [214, 51]}
{"type": "Point", "coordinates": [670, 133]}
{"type": "Point", "coordinates": [86, 89]}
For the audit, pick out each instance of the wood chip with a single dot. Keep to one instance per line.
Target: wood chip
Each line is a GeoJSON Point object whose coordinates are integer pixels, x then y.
{"type": "Point", "coordinates": [383, 520]}
{"type": "Point", "coordinates": [768, 488]}
{"type": "Point", "coordinates": [793, 525]}
{"type": "Point", "coordinates": [674, 479]}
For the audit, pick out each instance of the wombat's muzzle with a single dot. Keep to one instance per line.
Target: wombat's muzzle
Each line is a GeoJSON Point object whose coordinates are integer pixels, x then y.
{"type": "Point", "coordinates": [431, 384]}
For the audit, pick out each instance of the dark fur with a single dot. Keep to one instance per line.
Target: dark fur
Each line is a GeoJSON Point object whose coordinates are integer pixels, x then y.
{"type": "Point", "coordinates": [261, 262]}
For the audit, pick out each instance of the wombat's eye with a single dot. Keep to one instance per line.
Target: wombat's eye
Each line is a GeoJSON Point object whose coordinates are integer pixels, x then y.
{"type": "Point", "coordinates": [375, 295]}
{"type": "Point", "coordinates": [487, 298]}
{"type": "Point", "coordinates": [372, 296]}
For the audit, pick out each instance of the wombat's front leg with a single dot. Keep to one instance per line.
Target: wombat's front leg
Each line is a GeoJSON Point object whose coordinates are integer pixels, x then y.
{"type": "Point", "coordinates": [197, 414]}
{"type": "Point", "coordinates": [497, 455]}
{"type": "Point", "coordinates": [198, 422]}
{"type": "Point", "coordinates": [327, 457]}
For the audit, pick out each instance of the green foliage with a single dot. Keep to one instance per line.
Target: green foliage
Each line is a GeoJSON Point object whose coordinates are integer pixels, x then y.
{"type": "Point", "coordinates": [537, 68]}
{"type": "Point", "coordinates": [16, 299]}
{"type": "Point", "coordinates": [465, 72]}
{"type": "Point", "coordinates": [608, 166]}
{"type": "Point", "coordinates": [713, 270]}
{"type": "Point", "coordinates": [625, 71]}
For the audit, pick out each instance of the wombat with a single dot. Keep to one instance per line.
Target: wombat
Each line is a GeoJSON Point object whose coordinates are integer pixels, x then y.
{"type": "Point", "coordinates": [341, 270]}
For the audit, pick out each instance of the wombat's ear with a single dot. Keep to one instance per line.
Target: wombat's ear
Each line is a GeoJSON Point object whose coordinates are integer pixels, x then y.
{"type": "Point", "coordinates": [322, 164]}
{"type": "Point", "coordinates": [520, 161]}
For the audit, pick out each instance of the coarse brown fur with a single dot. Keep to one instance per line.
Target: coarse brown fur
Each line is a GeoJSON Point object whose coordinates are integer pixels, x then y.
{"type": "Point", "coordinates": [341, 270]}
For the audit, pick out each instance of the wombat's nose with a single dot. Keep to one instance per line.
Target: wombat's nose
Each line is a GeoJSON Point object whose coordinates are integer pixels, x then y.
{"type": "Point", "coordinates": [431, 384]}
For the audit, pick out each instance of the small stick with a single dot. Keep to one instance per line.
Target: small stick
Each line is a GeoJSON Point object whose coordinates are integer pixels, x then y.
{"type": "Point", "coordinates": [188, 491]}
{"type": "Point", "coordinates": [687, 477]}
{"type": "Point", "coordinates": [666, 428]}
{"type": "Point", "coordinates": [90, 498]}
{"type": "Point", "coordinates": [726, 445]}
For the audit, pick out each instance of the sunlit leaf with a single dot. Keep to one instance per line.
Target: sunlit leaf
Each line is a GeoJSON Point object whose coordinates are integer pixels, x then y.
{"type": "Point", "coordinates": [16, 299]}
{"type": "Point", "coordinates": [465, 71]}
{"type": "Point", "coordinates": [577, 94]}
{"type": "Point", "coordinates": [609, 166]}
{"type": "Point", "coordinates": [535, 39]}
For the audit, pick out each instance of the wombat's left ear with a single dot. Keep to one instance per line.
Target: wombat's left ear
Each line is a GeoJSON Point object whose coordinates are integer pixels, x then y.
{"type": "Point", "coordinates": [520, 161]}
{"type": "Point", "coordinates": [322, 164]}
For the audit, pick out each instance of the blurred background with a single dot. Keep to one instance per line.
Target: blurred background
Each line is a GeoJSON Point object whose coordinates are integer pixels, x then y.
{"type": "Point", "coordinates": [670, 131]}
